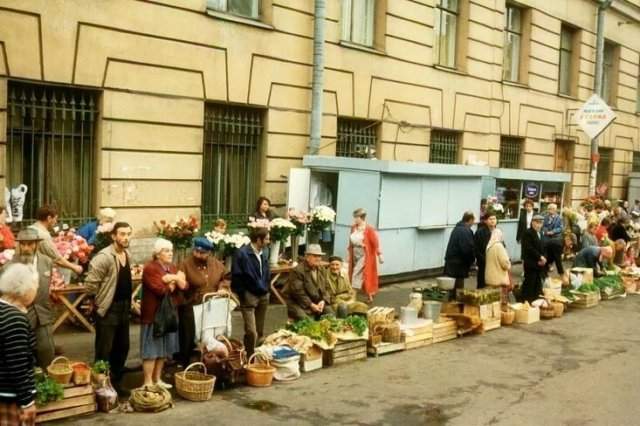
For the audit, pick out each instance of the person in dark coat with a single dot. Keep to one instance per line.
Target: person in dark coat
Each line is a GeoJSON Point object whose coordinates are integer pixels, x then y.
{"type": "Point", "coordinates": [534, 260]}
{"type": "Point", "coordinates": [524, 222]}
{"type": "Point", "coordinates": [460, 254]}
{"type": "Point", "coordinates": [480, 242]}
{"type": "Point", "coordinates": [618, 231]}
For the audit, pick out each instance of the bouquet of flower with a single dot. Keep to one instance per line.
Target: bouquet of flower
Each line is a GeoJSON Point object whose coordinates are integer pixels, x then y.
{"type": "Point", "coordinates": [281, 229]}
{"type": "Point", "coordinates": [494, 207]}
{"type": "Point", "coordinates": [230, 243]}
{"type": "Point", "coordinates": [216, 238]}
{"type": "Point", "coordinates": [72, 246]}
{"type": "Point", "coordinates": [258, 223]}
{"type": "Point", "coordinates": [6, 256]}
{"type": "Point", "coordinates": [300, 219]}
{"type": "Point", "coordinates": [321, 218]}
{"type": "Point", "coordinates": [179, 233]}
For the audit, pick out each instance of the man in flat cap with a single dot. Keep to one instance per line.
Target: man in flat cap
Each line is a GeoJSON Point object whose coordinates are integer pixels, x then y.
{"type": "Point", "coordinates": [533, 259]}
{"type": "Point", "coordinates": [40, 313]}
{"type": "Point", "coordinates": [204, 274]}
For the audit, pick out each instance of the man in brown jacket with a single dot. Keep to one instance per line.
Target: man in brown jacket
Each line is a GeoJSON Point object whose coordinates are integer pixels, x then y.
{"type": "Point", "coordinates": [305, 292]}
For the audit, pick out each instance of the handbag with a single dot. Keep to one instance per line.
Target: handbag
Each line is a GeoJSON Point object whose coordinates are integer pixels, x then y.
{"type": "Point", "coordinates": [166, 320]}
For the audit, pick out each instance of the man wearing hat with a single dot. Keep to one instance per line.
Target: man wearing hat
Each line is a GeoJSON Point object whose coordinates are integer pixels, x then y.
{"type": "Point", "coordinates": [204, 274]}
{"type": "Point", "coordinates": [340, 291]}
{"type": "Point", "coordinates": [40, 313]}
{"type": "Point", "coordinates": [306, 289]}
{"type": "Point", "coordinates": [533, 259]}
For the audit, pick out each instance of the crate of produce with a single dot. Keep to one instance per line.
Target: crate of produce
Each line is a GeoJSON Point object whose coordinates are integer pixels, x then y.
{"type": "Point", "coordinates": [78, 400]}
{"type": "Point", "coordinates": [483, 312]}
{"type": "Point", "coordinates": [526, 314]}
{"type": "Point", "coordinates": [445, 329]}
{"type": "Point", "coordinates": [312, 360]}
{"type": "Point", "coordinates": [385, 348]}
{"type": "Point", "coordinates": [586, 300]}
{"type": "Point", "coordinates": [435, 293]}
{"type": "Point", "coordinates": [491, 323]}
{"type": "Point", "coordinates": [483, 296]}
{"type": "Point", "coordinates": [345, 351]}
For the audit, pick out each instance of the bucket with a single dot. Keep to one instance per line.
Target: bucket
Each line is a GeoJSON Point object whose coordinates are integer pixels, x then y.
{"type": "Point", "coordinates": [431, 310]}
{"type": "Point", "coordinates": [446, 283]}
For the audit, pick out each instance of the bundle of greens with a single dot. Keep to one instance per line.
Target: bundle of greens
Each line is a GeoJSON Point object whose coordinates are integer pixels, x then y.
{"type": "Point", "coordinates": [48, 390]}
{"type": "Point", "coordinates": [323, 329]}
{"type": "Point", "coordinates": [588, 288]}
{"type": "Point", "coordinates": [609, 281]}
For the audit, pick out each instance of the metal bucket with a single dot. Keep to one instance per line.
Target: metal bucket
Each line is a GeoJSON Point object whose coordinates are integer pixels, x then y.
{"type": "Point", "coordinates": [431, 310]}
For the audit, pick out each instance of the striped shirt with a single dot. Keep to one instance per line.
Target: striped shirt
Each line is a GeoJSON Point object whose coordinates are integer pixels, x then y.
{"type": "Point", "coordinates": [16, 357]}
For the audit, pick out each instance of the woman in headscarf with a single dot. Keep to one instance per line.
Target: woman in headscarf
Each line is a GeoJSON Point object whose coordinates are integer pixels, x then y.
{"type": "Point", "coordinates": [498, 265]}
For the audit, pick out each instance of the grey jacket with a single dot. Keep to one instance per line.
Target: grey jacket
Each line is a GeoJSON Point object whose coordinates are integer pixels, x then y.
{"type": "Point", "coordinates": [101, 280]}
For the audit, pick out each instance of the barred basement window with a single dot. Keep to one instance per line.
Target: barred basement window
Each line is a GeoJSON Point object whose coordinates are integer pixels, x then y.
{"type": "Point", "coordinates": [510, 153]}
{"type": "Point", "coordinates": [356, 138]}
{"type": "Point", "coordinates": [444, 147]}
{"type": "Point", "coordinates": [231, 163]}
{"type": "Point", "coordinates": [636, 162]}
{"type": "Point", "coordinates": [51, 148]}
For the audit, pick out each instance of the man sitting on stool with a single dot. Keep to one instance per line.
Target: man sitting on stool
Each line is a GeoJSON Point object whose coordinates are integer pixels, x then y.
{"type": "Point", "coordinates": [305, 291]}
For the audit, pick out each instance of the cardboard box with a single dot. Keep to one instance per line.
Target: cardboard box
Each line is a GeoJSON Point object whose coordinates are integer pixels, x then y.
{"type": "Point", "coordinates": [527, 316]}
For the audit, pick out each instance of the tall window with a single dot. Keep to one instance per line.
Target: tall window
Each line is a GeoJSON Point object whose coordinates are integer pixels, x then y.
{"type": "Point", "coordinates": [356, 138]}
{"type": "Point", "coordinates": [357, 21]}
{"type": "Point", "coordinates": [512, 40]}
{"type": "Point", "coordinates": [246, 8]}
{"type": "Point", "coordinates": [231, 162]}
{"type": "Point", "coordinates": [444, 147]}
{"type": "Point", "coordinates": [638, 93]}
{"type": "Point", "coordinates": [566, 53]}
{"type": "Point", "coordinates": [51, 148]}
{"type": "Point", "coordinates": [604, 166]}
{"type": "Point", "coordinates": [445, 31]}
{"type": "Point", "coordinates": [608, 75]}
{"type": "Point", "coordinates": [636, 162]}
{"type": "Point", "coordinates": [510, 152]}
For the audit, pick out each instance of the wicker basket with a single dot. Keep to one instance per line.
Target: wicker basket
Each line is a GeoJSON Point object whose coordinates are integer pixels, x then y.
{"type": "Point", "coordinates": [81, 373]}
{"type": "Point", "coordinates": [258, 374]}
{"type": "Point", "coordinates": [547, 313]}
{"type": "Point", "coordinates": [391, 333]}
{"type": "Point", "coordinates": [194, 385]}
{"type": "Point", "coordinates": [507, 317]}
{"type": "Point", "coordinates": [558, 309]}
{"type": "Point", "coordinates": [60, 370]}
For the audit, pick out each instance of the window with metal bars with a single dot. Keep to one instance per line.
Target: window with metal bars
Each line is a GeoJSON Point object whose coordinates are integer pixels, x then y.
{"type": "Point", "coordinates": [444, 147]}
{"type": "Point", "coordinates": [510, 152]}
{"type": "Point", "coordinates": [231, 163]}
{"type": "Point", "coordinates": [635, 167]}
{"type": "Point", "coordinates": [356, 138]}
{"type": "Point", "coordinates": [51, 148]}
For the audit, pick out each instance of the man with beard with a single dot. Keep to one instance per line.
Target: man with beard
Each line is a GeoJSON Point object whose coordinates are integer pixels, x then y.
{"type": "Point", "coordinates": [40, 313]}
{"type": "Point", "coordinates": [109, 281]}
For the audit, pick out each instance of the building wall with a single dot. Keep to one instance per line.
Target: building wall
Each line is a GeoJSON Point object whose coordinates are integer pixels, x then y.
{"type": "Point", "coordinates": [158, 61]}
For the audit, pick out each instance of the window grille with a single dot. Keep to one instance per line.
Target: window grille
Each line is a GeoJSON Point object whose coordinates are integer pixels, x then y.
{"type": "Point", "coordinates": [51, 148]}
{"type": "Point", "coordinates": [356, 138]}
{"type": "Point", "coordinates": [510, 150]}
{"type": "Point", "coordinates": [604, 166]}
{"type": "Point", "coordinates": [231, 163]}
{"type": "Point", "coordinates": [444, 147]}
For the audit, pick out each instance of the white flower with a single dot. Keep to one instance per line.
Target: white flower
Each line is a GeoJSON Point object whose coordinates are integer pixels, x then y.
{"type": "Point", "coordinates": [214, 237]}
{"type": "Point", "coordinates": [282, 223]}
{"type": "Point", "coordinates": [324, 214]}
{"type": "Point", "coordinates": [236, 240]}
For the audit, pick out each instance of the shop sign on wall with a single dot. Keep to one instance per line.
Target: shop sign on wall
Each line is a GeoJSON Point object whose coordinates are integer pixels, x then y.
{"type": "Point", "coordinates": [594, 116]}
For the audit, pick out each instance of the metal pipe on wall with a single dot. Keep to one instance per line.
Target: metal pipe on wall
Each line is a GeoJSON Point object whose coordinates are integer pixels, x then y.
{"type": "Point", "coordinates": [318, 71]}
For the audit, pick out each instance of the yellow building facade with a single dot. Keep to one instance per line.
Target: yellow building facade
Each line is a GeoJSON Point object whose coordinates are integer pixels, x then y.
{"type": "Point", "coordinates": [197, 107]}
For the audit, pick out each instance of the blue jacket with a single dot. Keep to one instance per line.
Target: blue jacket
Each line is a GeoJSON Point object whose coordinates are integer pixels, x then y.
{"type": "Point", "coordinates": [552, 224]}
{"type": "Point", "coordinates": [88, 231]}
{"type": "Point", "coordinates": [246, 274]}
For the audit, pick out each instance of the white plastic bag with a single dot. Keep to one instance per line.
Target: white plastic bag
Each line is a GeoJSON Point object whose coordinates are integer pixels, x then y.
{"type": "Point", "coordinates": [287, 369]}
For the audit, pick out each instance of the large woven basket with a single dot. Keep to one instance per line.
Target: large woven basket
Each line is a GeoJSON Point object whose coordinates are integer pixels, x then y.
{"type": "Point", "coordinates": [391, 333]}
{"type": "Point", "coordinates": [259, 374]}
{"type": "Point", "coordinates": [507, 317]}
{"type": "Point", "coordinates": [60, 370]}
{"type": "Point", "coordinates": [558, 308]}
{"type": "Point", "coordinates": [547, 313]}
{"type": "Point", "coordinates": [195, 385]}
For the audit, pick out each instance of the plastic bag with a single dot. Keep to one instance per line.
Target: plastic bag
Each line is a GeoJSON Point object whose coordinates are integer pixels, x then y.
{"type": "Point", "coordinates": [287, 369]}
{"type": "Point", "coordinates": [166, 320]}
{"type": "Point", "coordinates": [106, 396]}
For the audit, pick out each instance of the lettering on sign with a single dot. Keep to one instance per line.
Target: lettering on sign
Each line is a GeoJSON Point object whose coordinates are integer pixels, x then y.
{"type": "Point", "coordinates": [594, 116]}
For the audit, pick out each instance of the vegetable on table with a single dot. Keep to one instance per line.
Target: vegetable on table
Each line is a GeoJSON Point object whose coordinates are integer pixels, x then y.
{"type": "Point", "coordinates": [48, 390]}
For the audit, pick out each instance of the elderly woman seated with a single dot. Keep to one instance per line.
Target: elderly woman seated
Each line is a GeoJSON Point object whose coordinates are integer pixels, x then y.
{"type": "Point", "coordinates": [342, 297]}
{"type": "Point", "coordinates": [305, 291]}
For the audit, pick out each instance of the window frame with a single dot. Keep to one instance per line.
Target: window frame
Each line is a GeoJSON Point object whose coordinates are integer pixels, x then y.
{"type": "Point", "coordinates": [569, 53]}
{"type": "Point", "coordinates": [635, 162]}
{"type": "Point", "coordinates": [347, 25]}
{"type": "Point", "coordinates": [611, 51]}
{"type": "Point", "coordinates": [504, 162]}
{"type": "Point", "coordinates": [372, 148]}
{"type": "Point", "coordinates": [441, 13]}
{"type": "Point", "coordinates": [519, 35]}
{"type": "Point", "coordinates": [225, 9]}
{"type": "Point", "coordinates": [433, 142]}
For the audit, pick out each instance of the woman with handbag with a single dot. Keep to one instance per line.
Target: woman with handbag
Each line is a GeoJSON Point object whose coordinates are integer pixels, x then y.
{"type": "Point", "coordinates": [159, 331]}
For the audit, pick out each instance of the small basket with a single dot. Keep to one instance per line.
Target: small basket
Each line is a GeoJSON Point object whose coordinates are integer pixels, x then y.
{"type": "Point", "coordinates": [558, 309]}
{"type": "Point", "coordinates": [81, 373]}
{"type": "Point", "coordinates": [194, 385]}
{"type": "Point", "coordinates": [547, 313]}
{"type": "Point", "coordinates": [391, 333]}
{"type": "Point", "coordinates": [507, 317]}
{"type": "Point", "coordinates": [259, 375]}
{"type": "Point", "coordinates": [60, 370]}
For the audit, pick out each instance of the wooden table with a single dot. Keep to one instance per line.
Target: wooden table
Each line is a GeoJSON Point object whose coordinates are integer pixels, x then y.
{"type": "Point", "coordinates": [276, 272]}
{"type": "Point", "coordinates": [71, 308]}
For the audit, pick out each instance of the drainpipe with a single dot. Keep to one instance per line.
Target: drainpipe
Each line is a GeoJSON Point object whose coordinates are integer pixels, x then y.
{"type": "Point", "coordinates": [318, 71]}
{"type": "Point", "coordinates": [595, 157]}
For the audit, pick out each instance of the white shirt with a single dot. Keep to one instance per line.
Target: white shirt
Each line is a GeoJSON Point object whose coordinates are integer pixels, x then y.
{"type": "Point", "coordinates": [258, 255]}
{"type": "Point", "coordinates": [529, 218]}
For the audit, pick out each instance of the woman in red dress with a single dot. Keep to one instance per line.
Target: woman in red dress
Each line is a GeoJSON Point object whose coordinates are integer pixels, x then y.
{"type": "Point", "coordinates": [364, 255]}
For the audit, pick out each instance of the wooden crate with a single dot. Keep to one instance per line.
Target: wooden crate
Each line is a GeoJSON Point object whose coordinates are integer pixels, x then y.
{"type": "Point", "coordinates": [77, 400]}
{"type": "Point", "coordinates": [419, 343]}
{"type": "Point", "coordinates": [491, 324]}
{"type": "Point", "coordinates": [385, 348]}
{"type": "Point", "coordinates": [586, 300]}
{"type": "Point", "coordinates": [481, 311]}
{"type": "Point", "coordinates": [445, 329]}
{"type": "Point", "coordinates": [345, 351]}
{"type": "Point", "coordinates": [312, 360]}
{"type": "Point", "coordinates": [527, 316]}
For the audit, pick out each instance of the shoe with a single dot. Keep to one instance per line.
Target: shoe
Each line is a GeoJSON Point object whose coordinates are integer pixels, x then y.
{"type": "Point", "coordinates": [162, 384]}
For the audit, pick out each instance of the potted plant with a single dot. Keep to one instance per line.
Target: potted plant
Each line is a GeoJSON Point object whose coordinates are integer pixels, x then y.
{"type": "Point", "coordinates": [99, 371]}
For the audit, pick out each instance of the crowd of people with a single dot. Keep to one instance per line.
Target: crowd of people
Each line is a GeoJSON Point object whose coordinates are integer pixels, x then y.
{"type": "Point", "coordinates": [595, 235]}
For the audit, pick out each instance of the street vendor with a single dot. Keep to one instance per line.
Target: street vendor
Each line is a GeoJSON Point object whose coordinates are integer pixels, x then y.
{"type": "Point", "coordinates": [40, 313]}
{"type": "Point", "coordinates": [88, 230]}
{"type": "Point", "coordinates": [552, 237]}
{"type": "Point", "coordinates": [593, 257]}
{"type": "Point", "coordinates": [306, 289]}
{"type": "Point", "coordinates": [534, 260]}
{"type": "Point", "coordinates": [204, 274]}
{"type": "Point", "coordinates": [339, 289]}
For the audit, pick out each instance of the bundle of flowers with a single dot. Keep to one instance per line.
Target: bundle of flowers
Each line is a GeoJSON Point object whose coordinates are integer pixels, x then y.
{"type": "Point", "coordinates": [300, 219]}
{"type": "Point", "coordinates": [6, 256]}
{"type": "Point", "coordinates": [258, 223]}
{"type": "Point", "coordinates": [180, 233]}
{"type": "Point", "coordinates": [494, 207]}
{"type": "Point", "coordinates": [230, 243]}
{"type": "Point", "coordinates": [72, 246]}
{"type": "Point", "coordinates": [57, 280]}
{"type": "Point", "coordinates": [281, 229]}
{"type": "Point", "coordinates": [321, 218]}
{"type": "Point", "coordinates": [216, 238]}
